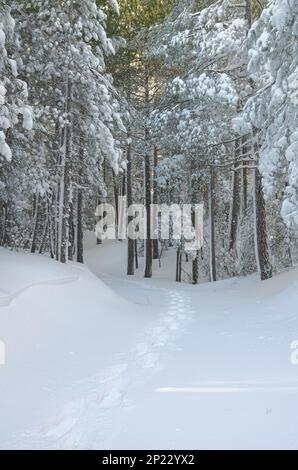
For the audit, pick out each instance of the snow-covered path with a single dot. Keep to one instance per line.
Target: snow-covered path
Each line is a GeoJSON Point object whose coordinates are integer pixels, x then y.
{"type": "Point", "coordinates": [147, 363]}
{"type": "Point", "coordinates": [221, 374]}
{"type": "Point", "coordinates": [117, 392]}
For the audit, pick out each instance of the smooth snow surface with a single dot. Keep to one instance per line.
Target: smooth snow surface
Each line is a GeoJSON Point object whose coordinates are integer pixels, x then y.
{"type": "Point", "coordinates": [103, 361]}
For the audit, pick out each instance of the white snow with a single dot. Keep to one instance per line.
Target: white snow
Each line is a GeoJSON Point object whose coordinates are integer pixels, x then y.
{"type": "Point", "coordinates": [126, 362]}
{"type": "Point", "coordinates": [4, 148]}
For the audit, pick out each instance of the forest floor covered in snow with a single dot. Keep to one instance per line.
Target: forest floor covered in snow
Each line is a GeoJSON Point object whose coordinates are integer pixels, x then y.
{"type": "Point", "coordinates": [97, 360]}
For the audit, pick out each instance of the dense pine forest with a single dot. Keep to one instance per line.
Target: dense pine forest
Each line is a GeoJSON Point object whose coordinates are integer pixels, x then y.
{"type": "Point", "coordinates": [148, 228]}
{"type": "Point", "coordinates": [160, 101]}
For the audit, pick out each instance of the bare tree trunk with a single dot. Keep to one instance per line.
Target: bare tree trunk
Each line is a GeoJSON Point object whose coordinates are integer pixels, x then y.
{"type": "Point", "coordinates": [35, 225]}
{"type": "Point", "coordinates": [248, 13]}
{"type": "Point", "coordinates": [130, 243]}
{"type": "Point", "coordinates": [65, 182]}
{"type": "Point", "coordinates": [116, 195]}
{"type": "Point", "coordinates": [235, 202]}
{"type": "Point", "coordinates": [178, 264]}
{"type": "Point", "coordinates": [260, 225]}
{"type": "Point", "coordinates": [136, 254]}
{"type": "Point", "coordinates": [211, 227]}
{"type": "Point", "coordinates": [71, 237]}
{"type": "Point", "coordinates": [155, 201]}
{"type": "Point", "coordinates": [148, 254]}
{"type": "Point", "coordinates": [245, 151]}
{"type": "Point", "coordinates": [80, 247]}
{"type": "Point", "coordinates": [3, 222]}
{"type": "Point", "coordinates": [148, 265]}
{"type": "Point", "coordinates": [45, 233]}
{"type": "Point", "coordinates": [195, 261]}
{"type": "Point", "coordinates": [262, 252]}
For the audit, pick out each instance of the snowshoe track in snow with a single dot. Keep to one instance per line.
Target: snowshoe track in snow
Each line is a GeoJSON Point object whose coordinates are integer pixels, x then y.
{"type": "Point", "coordinates": [110, 388]}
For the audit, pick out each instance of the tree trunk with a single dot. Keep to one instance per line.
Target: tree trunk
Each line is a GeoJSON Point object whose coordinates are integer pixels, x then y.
{"type": "Point", "coordinates": [44, 235]}
{"type": "Point", "coordinates": [211, 227]}
{"type": "Point", "coordinates": [3, 222]}
{"type": "Point", "coordinates": [155, 201]}
{"type": "Point", "coordinates": [35, 224]}
{"type": "Point", "coordinates": [130, 243]}
{"type": "Point", "coordinates": [178, 264]}
{"type": "Point", "coordinates": [148, 266]}
{"type": "Point", "coordinates": [71, 238]}
{"type": "Point", "coordinates": [116, 195]}
{"type": "Point", "coordinates": [248, 13]}
{"type": "Point", "coordinates": [148, 254]}
{"type": "Point", "coordinates": [65, 182]}
{"type": "Point", "coordinates": [136, 254]}
{"type": "Point", "coordinates": [235, 204]}
{"type": "Point", "coordinates": [80, 247]}
{"type": "Point", "coordinates": [262, 252]}
{"type": "Point", "coordinates": [195, 268]}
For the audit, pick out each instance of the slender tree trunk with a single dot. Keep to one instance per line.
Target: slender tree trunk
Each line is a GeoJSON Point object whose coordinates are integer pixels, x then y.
{"type": "Point", "coordinates": [98, 239]}
{"type": "Point", "coordinates": [235, 202]}
{"type": "Point", "coordinates": [124, 184]}
{"type": "Point", "coordinates": [178, 264]}
{"type": "Point", "coordinates": [116, 195]}
{"type": "Point", "coordinates": [35, 225]}
{"type": "Point", "coordinates": [130, 243]}
{"type": "Point", "coordinates": [195, 261]}
{"type": "Point", "coordinates": [136, 254]}
{"type": "Point", "coordinates": [148, 254]}
{"type": "Point", "coordinates": [195, 268]}
{"type": "Point", "coordinates": [3, 223]}
{"type": "Point", "coordinates": [235, 208]}
{"type": "Point", "coordinates": [80, 247]}
{"type": "Point", "coordinates": [248, 13]}
{"type": "Point", "coordinates": [71, 237]}
{"type": "Point", "coordinates": [155, 201]}
{"type": "Point", "coordinates": [65, 182]}
{"type": "Point", "coordinates": [211, 227]}
{"type": "Point", "coordinates": [260, 224]}
{"type": "Point", "coordinates": [45, 233]}
{"type": "Point", "coordinates": [262, 252]}
{"type": "Point", "coordinates": [148, 266]}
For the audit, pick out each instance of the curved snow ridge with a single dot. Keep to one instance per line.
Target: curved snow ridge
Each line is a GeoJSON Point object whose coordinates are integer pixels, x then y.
{"type": "Point", "coordinates": [6, 300]}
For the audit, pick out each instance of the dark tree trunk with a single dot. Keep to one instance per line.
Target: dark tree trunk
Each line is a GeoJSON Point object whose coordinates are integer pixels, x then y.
{"type": "Point", "coordinates": [66, 182]}
{"type": "Point", "coordinates": [195, 261]}
{"type": "Point", "coordinates": [44, 236]}
{"type": "Point", "coordinates": [263, 260]}
{"type": "Point", "coordinates": [80, 246]}
{"type": "Point", "coordinates": [211, 227]}
{"type": "Point", "coordinates": [71, 239]}
{"type": "Point", "coordinates": [116, 194]}
{"type": "Point", "coordinates": [36, 223]}
{"type": "Point", "coordinates": [98, 239]}
{"type": "Point", "coordinates": [178, 264]}
{"type": "Point", "coordinates": [148, 265]}
{"type": "Point", "coordinates": [136, 254]}
{"type": "Point", "coordinates": [248, 13]}
{"type": "Point", "coordinates": [235, 206]}
{"type": "Point", "coordinates": [155, 201]}
{"type": "Point", "coordinates": [148, 254]}
{"type": "Point", "coordinates": [195, 268]}
{"type": "Point", "coordinates": [130, 243]}
{"type": "Point", "coordinates": [3, 222]}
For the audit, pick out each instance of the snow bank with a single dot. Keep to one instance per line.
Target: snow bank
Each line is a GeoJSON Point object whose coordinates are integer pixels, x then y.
{"type": "Point", "coordinates": [59, 325]}
{"type": "Point", "coordinates": [215, 365]}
